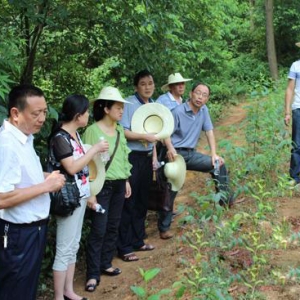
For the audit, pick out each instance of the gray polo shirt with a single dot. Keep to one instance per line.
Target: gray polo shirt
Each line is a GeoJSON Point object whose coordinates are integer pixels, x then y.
{"type": "Point", "coordinates": [188, 126]}
{"type": "Point", "coordinates": [129, 109]}
{"type": "Point", "coordinates": [167, 100]}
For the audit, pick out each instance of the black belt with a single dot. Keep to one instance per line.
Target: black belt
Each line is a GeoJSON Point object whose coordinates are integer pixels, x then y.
{"type": "Point", "coordinates": [184, 149]}
{"type": "Point", "coordinates": [109, 181]}
{"type": "Point", "coordinates": [32, 224]}
{"type": "Point", "coordinates": [142, 153]}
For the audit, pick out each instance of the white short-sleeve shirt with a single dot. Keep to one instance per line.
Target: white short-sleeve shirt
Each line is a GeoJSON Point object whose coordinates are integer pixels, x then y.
{"type": "Point", "coordinates": [20, 167]}
{"type": "Point", "coordinates": [294, 74]}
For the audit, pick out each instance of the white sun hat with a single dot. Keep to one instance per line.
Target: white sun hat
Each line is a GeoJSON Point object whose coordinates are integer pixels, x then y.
{"type": "Point", "coordinates": [97, 173]}
{"type": "Point", "coordinates": [112, 94]}
{"type": "Point", "coordinates": [174, 78]}
{"type": "Point", "coordinates": [175, 172]}
{"type": "Point", "coordinates": [298, 44]}
{"type": "Point", "coordinates": [153, 118]}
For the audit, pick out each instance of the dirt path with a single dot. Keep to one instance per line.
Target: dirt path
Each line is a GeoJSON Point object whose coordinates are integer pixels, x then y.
{"type": "Point", "coordinates": [168, 253]}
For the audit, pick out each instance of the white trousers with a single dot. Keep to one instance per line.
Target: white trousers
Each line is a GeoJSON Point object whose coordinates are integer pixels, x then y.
{"type": "Point", "coordinates": [68, 235]}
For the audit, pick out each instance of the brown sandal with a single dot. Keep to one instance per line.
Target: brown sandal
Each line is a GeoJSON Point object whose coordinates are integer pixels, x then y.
{"type": "Point", "coordinates": [129, 257]}
{"type": "Point", "coordinates": [91, 287]}
{"type": "Point", "coordinates": [146, 247]}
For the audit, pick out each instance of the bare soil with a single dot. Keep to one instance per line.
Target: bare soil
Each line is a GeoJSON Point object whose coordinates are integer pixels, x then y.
{"type": "Point", "coordinates": [168, 254]}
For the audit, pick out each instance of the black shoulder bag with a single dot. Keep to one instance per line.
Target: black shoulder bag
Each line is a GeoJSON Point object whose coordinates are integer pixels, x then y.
{"type": "Point", "coordinates": [67, 199]}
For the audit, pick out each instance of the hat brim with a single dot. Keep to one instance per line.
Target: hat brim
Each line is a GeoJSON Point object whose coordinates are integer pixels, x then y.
{"type": "Point", "coordinates": [116, 100]}
{"type": "Point", "coordinates": [165, 87]}
{"type": "Point", "coordinates": [153, 118]}
{"type": "Point", "coordinates": [175, 171]}
{"type": "Point", "coordinates": [97, 173]}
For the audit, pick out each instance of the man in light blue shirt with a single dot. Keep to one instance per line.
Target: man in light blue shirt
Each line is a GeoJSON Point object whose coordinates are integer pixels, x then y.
{"type": "Point", "coordinates": [190, 119]}
{"type": "Point", "coordinates": [175, 88]}
{"type": "Point", "coordinates": [171, 99]}
{"type": "Point", "coordinates": [132, 225]}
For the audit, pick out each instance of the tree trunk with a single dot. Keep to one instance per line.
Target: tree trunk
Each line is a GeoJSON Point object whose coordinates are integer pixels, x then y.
{"type": "Point", "coordinates": [251, 14]}
{"type": "Point", "coordinates": [32, 42]}
{"type": "Point", "coordinates": [271, 49]}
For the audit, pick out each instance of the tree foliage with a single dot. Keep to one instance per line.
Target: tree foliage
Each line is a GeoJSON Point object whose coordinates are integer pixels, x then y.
{"type": "Point", "coordinates": [79, 46]}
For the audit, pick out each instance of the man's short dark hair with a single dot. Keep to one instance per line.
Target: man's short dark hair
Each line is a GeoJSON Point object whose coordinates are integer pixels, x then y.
{"type": "Point", "coordinates": [141, 74]}
{"type": "Point", "coordinates": [200, 83]}
{"type": "Point", "coordinates": [18, 96]}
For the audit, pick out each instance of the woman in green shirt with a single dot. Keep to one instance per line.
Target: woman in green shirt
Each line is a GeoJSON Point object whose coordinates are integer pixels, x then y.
{"type": "Point", "coordinates": [102, 239]}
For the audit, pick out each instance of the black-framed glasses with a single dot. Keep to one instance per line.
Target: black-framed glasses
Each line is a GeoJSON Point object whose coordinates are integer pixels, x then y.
{"type": "Point", "coordinates": [198, 93]}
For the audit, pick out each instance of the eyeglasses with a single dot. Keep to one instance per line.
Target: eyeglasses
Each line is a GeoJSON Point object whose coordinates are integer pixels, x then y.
{"type": "Point", "coordinates": [198, 93]}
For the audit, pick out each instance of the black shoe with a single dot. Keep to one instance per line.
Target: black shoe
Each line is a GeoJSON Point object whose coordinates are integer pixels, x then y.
{"type": "Point", "coordinates": [115, 272]}
{"type": "Point", "coordinates": [67, 298]}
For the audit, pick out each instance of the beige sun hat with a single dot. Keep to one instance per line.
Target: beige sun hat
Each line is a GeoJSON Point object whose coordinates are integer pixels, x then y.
{"type": "Point", "coordinates": [97, 173]}
{"type": "Point", "coordinates": [153, 118]}
{"type": "Point", "coordinates": [175, 172]}
{"type": "Point", "coordinates": [112, 94]}
{"type": "Point", "coordinates": [298, 44]}
{"type": "Point", "coordinates": [174, 78]}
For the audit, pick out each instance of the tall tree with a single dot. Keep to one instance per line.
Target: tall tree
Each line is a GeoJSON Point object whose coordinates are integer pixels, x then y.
{"type": "Point", "coordinates": [32, 34]}
{"type": "Point", "coordinates": [271, 49]}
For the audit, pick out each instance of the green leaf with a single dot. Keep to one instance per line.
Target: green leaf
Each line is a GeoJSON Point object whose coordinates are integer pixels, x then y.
{"type": "Point", "coordinates": [150, 274]}
{"type": "Point", "coordinates": [3, 114]}
{"type": "Point", "coordinates": [139, 291]}
{"type": "Point", "coordinates": [154, 297]}
{"type": "Point", "coordinates": [164, 291]}
{"type": "Point", "coordinates": [142, 272]}
{"type": "Point", "coordinates": [53, 114]}
{"type": "Point", "coordinates": [180, 292]}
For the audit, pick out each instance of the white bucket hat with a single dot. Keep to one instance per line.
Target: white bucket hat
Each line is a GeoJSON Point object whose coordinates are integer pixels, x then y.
{"type": "Point", "coordinates": [97, 173]}
{"type": "Point", "coordinates": [153, 118]}
{"type": "Point", "coordinates": [175, 172]}
{"type": "Point", "coordinates": [112, 94]}
{"type": "Point", "coordinates": [174, 78]}
{"type": "Point", "coordinates": [298, 44]}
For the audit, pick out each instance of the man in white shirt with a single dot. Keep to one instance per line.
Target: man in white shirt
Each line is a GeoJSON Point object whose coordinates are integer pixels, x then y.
{"type": "Point", "coordinates": [24, 198]}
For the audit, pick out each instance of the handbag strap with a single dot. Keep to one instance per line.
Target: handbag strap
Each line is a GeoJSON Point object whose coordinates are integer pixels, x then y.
{"type": "Point", "coordinates": [112, 156]}
{"type": "Point", "coordinates": [53, 164]}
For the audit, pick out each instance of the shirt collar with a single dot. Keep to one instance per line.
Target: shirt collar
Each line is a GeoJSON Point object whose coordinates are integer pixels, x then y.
{"type": "Point", "coordinates": [188, 108]}
{"type": "Point", "coordinates": [141, 100]}
{"type": "Point", "coordinates": [172, 97]}
{"type": "Point", "coordinates": [18, 134]}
